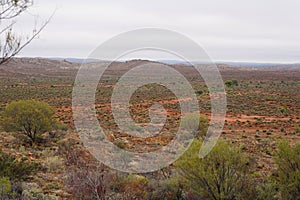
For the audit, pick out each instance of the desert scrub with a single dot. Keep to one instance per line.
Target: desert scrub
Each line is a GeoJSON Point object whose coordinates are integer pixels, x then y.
{"type": "Point", "coordinates": [34, 194]}
{"type": "Point", "coordinates": [223, 174]}
{"type": "Point", "coordinates": [170, 188]}
{"type": "Point", "coordinates": [16, 169]}
{"type": "Point", "coordinates": [197, 123]}
{"type": "Point", "coordinates": [53, 186]}
{"type": "Point", "coordinates": [88, 182]}
{"type": "Point", "coordinates": [54, 163]}
{"type": "Point", "coordinates": [5, 187]}
{"type": "Point", "coordinates": [288, 170]}
{"type": "Point", "coordinates": [132, 186]}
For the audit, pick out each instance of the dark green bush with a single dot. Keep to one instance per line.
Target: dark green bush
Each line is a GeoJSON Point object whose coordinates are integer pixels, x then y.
{"type": "Point", "coordinates": [230, 83]}
{"type": "Point", "coordinates": [15, 169]}
{"type": "Point", "coordinates": [235, 82]}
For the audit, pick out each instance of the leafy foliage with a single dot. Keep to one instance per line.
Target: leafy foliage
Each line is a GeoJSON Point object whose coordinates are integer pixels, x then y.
{"type": "Point", "coordinates": [288, 162]}
{"type": "Point", "coordinates": [223, 174]}
{"type": "Point", "coordinates": [267, 191]}
{"type": "Point", "coordinates": [29, 117]}
{"type": "Point", "coordinates": [5, 186]}
{"type": "Point", "coordinates": [230, 83]}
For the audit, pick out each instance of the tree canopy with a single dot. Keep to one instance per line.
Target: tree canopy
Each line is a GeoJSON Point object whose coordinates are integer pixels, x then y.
{"type": "Point", "coordinates": [29, 117]}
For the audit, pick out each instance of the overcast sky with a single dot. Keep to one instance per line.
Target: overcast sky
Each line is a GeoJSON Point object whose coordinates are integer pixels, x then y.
{"type": "Point", "coordinates": [240, 30]}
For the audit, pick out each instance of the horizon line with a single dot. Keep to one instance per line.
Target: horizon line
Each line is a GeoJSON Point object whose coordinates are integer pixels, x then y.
{"type": "Point", "coordinates": [161, 60]}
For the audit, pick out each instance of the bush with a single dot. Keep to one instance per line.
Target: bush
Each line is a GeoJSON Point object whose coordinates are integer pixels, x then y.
{"type": "Point", "coordinates": [223, 174]}
{"type": "Point", "coordinates": [192, 121]}
{"type": "Point", "coordinates": [33, 194]}
{"type": "Point", "coordinates": [5, 187]}
{"type": "Point", "coordinates": [235, 82]}
{"type": "Point", "coordinates": [167, 189]}
{"type": "Point", "coordinates": [89, 182]}
{"type": "Point", "coordinates": [267, 191]}
{"type": "Point", "coordinates": [15, 170]}
{"type": "Point", "coordinates": [288, 172]}
{"type": "Point", "coordinates": [29, 117]}
{"type": "Point", "coordinates": [85, 178]}
{"type": "Point", "coordinates": [132, 186]}
{"type": "Point", "coordinates": [297, 127]}
{"type": "Point", "coordinates": [230, 83]}
{"type": "Point", "coordinates": [54, 163]}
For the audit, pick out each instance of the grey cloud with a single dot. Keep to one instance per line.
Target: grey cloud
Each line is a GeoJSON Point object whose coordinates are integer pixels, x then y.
{"type": "Point", "coordinates": [228, 29]}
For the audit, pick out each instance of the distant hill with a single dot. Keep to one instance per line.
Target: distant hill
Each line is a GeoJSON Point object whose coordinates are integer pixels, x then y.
{"type": "Point", "coordinates": [61, 63]}
{"type": "Point", "coordinates": [277, 66]}
{"type": "Point", "coordinates": [76, 60]}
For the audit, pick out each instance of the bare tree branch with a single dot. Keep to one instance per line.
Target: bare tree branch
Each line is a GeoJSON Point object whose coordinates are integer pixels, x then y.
{"type": "Point", "coordinates": [10, 43]}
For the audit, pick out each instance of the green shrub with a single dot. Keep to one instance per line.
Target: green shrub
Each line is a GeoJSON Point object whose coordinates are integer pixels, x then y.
{"type": "Point", "coordinates": [132, 184]}
{"type": "Point", "coordinates": [284, 109]}
{"type": "Point", "coordinates": [29, 117]}
{"type": "Point", "coordinates": [197, 122]}
{"type": "Point", "coordinates": [267, 191]}
{"type": "Point", "coordinates": [223, 174]}
{"type": "Point", "coordinates": [5, 186]}
{"type": "Point", "coordinates": [13, 169]}
{"type": "Point", "coordinates": [60, 126]}
{"type": "Point", "coordinates": [53, 186]}
{"type": "Point", "coordinates": [235, 82]}
{"type": "Point", "coordinates": [288, 172]}
{"type": "Point", "coordinates": [33, 194]}
{"type": "Point", "coordinates": [297, 127]}
{"type": "Point", "coordinates": [167, 189]}
{"type": "Point", "coordinates": [230, 83]}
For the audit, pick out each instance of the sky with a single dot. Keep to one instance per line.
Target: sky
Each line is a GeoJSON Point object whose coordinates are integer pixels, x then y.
{"type": "Point", "coordinates": [228, 30]}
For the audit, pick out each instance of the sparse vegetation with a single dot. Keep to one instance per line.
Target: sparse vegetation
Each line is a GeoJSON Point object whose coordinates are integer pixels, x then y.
{"type": "Point", "coordinates": [261, 111]}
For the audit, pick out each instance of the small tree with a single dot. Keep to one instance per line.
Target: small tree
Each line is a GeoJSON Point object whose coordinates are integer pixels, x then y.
{"type": "Point", "coordinates": [288, 172]}
{"type": "Point", "coordinates": [29, 117]}
{"type": "Point", "coordinates": [223, 174]}
{"type": "Point", "coordinates": [230, 83]}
